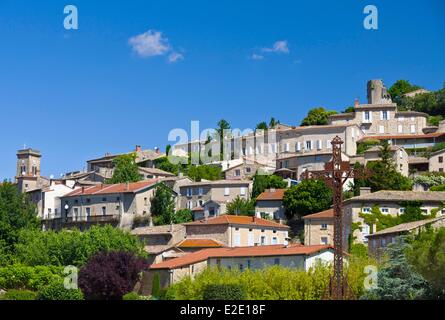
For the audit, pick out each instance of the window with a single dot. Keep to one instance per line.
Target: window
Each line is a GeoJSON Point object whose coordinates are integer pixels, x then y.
{"type": "Point", "coordinates": [367, 116]}
{"type": "Point", "coordinates": [241, 267]}
{"type": "Point", "coordinates": [381, 129]}
{"type": "Point", "coordinates": [226, 191]}
{"type": "Point", "coordinates": [243, 191]}
{"type": "Point", "coordinates": [88, 211]}
{"type": "Point", "coordinates": [328, 144]}
{"type": "Point", "coordinates": [400, 128]}
{"type": "Point", "coordinates": [319, 144]}
{"type": "Point", "coordinates": [366, 210]}
{"type": "Point", "coordinates": [324, 240]}
{"type": "Point", "coordinates": [237, 173]}
{"type": "Point", "coordinates": [263, 240]}
{"type": "Point", "coordinates": [383, 242]}
{"type": "Point", "coordinates": [286, 147]}
{"type": "Point", "coordinates": [76, 212]}
{"type": "Point", "coordinates": [249, 263]}
{"type": "Point", "coordinates": [104, 211]}
{"type": "Point", "coordinates": [298, 148]}
{"type": "Point", "coordinates": [237, 239]}
{"type": "Point", "coordinates": [286, 163]}
{"type": "Point", "coordinates": [104, 199]}
{"type": "Point", "coordinates": [374, 243]}
{"type": "Point", "coordinates": [324, 226]}
{"type": "Point", "coordinates": [274, 240]}
{"type": "Point", "coordinates": [413, 128]}
{"type": "Point", "coordinates": [276, 261]}
{"type": "Point", "coordinates": [76, 201]}
{"type": "Point", "coordinates": [401, 210]}
{"type": "Point", "coordinates": [118, 199]}
{"type": "Point", "coordinates": [200, 191]}
{"type": "Point", "coordinates": [189, 204]}
{"type": "Point", "coordinates": [145, 201]}
{"type": "Point", "coordinates": [384, 210]}
{"type": "Point", "coordinates": [248, 170]}
{"type": "Point", "coordinates": [384, 115]}
{"type": "Point", "coordinates": [441, 159]}
{"type": "Point", "coordinates": [309, 145]}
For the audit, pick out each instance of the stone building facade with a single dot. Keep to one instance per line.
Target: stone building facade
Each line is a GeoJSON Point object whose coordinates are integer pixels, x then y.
{"type": "Point", "coordinates": [319, 228]}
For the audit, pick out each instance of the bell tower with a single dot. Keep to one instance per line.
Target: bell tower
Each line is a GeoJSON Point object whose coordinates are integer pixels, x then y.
{"type": "Point", "coordinates": [28, 169]}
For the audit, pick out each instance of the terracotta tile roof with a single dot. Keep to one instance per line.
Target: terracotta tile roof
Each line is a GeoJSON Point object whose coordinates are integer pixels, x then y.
{"type": "Point", "coordinates": [238, 220]}
{"type": "Point", "coordinates": [113, 188]}
{"type": "Point", "coordinates": [258, 251]}
{"type": "Point", "coordinates": [271, 194]}
{"type": "Point", "coordinates": [321, 215]}
{"type": "Point", "coordinates": [405, 227]}
{"type": "Point", "coordinates": [405, 136]}
{"type": "Point", "coordinates": [395, 196]}
{"type": "Point", "coordinates": [199, 243]}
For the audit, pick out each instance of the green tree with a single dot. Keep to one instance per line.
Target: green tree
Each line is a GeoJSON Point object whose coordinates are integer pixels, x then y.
{"type": "Point", "coordinates": [384, 178]}
{"type": "Point", "coordinates": [125, 169]}
{"type": "Point", "coordinates": [317, 116]}
{"type": "Point", "coordinates": [261, 126]}
{"type": "Point", "coordinates": [16, 213]}
{"type": "Point", "coordinates": [396, 279]}
{"type": "Point", "coordinates": [162, 205]}
{"type": "Point", "coordinates": [206, 172]}
{"type": "Point", "coordinates": [349, 109]}
{"type": "Point", "coordinates": [167, 149]}
{"type": "Point", "coordinates": [72, 247]}
{"type": "Point", "coordinates": [273, 122]}
{"type": "Point", "coordinates": [221, 130]}
{"type": "Point", "coordinates": [399, 88]}
{"type": "Point", "coordinates": [261, 182]}
{"type": "Point", "coordinates": [309, 196]}
{"type": "Point", "coordinates": [240, 206]}
{"type": "Point", "coordinates": [183, 216]}
{"type": "Point", "coordinates": [427, 256]}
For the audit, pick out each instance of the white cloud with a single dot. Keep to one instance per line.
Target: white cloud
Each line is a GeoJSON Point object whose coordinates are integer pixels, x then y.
{"type": "Point", "coordinates": [256, 56]}
{"type": "Point", "coordinates": [150, 44]}
{"type": "Point", "coordinates": [278, 47]}
{"type": "Point", "coordinates": [175, 56]}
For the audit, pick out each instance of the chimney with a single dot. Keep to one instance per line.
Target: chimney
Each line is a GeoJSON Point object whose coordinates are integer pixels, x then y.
{"type": "Point", "coordinates": [356, 103]}
{"type": "Point", "coordinates": [137, 149]}
{"type": "Point", "coordinates": [364, 190]}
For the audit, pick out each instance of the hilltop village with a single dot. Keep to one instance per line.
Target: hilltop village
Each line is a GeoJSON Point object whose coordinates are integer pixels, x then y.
{"type": "Point", "coordinates": [253, 208]}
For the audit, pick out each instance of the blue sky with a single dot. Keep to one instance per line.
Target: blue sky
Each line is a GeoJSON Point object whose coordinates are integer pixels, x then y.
{"type": "Point", "coordinates": [77, 94]}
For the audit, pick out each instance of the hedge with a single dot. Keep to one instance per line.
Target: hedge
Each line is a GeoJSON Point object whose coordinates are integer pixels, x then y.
{"type": "Point", "coordinates": [224, 292]}
{"type": "Point", "coordinates": [57, 291]}
{"type": "Point", "coordinates": [26, 277]}
{"type": "Point", "coordinates": [19, 295]}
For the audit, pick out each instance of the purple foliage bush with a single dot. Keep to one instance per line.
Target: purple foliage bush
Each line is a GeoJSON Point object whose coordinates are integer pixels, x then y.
{"type": "Point", "coordinates": [110, 275]}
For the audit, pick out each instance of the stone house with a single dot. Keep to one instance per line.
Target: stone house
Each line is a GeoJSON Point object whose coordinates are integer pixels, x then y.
{"type": "Point", "coordinates": [389, 202]}
{"type": "Point", "coordinates": [378, 241]}
{"type": "Point", "coordinates": [238, 231]}
{"type": "Point", "coordinates": [319, 228]}
{"type": "Point", "coordinates": [116, 204]}
{"type": "Point", "coordinates": [209, 198]}
{"type": "Point", "coordinates": [436, 161]}
{"type": "Point", "coordinates": [241, 258]}
{"type": "Point", "coordinates": [270, 204]}
{"type": "Point", "coordinates": [245, 170]}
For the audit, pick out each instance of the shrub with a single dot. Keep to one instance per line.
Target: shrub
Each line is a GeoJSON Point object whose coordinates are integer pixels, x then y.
{"type": "Point", "coordinates": [224, 292]}
{"type": "Point", "coordinates": [56, 291]}
{"type": "Point", "coordinates": [131, 296]}
{"type": "Point", "coordinates": [366, 144]}
{"type": "Point", "coordinates": [156, 285]}
{"type": "Point", "coordinates": [72, 247]}
{"type": "Point", "coordinates": [110, 275]}
{"type": "Point", "coordinates": [19, 295]}
{"type": "Point", "coordinates": [438, 188]}
{"type": "Point", "coordinates": [27, 277]}
{"type": "Point", "coordinates": [438, 146]}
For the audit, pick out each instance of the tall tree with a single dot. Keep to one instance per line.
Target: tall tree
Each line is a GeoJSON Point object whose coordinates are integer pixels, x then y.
{"type": "Point", "coordinates": [397, 280]}
{"type": "Point", "coordinates": [399, 88]}
{"type": "Point", "coordinates": [125, 169]}
{"type": "Point", "coordinates": [242, 207]}
{"type": "Point", "coordinates": [162, 205]}
{"type": "Point", "coordinates": [317, 116]}
{"type": "Point", "coordinates": [273, 122]}
{"type": "Point", "coordinates": [261, 126]}
{"type": "Point", "coordinates": [222, 126]}
{"type": "Point", "coordinates": [16, 214]}
{"type": "Point", "coordinates": [309, 196]}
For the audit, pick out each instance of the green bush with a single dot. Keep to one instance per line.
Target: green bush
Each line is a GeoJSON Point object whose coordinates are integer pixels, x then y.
{"type": "Point", "coordinates": [438, 188]}
{"type": "Point", "coordinates": [134, 296]}
{"type": "Point", "coordinates": [19, 295]}
{"type": "Point", "coordinates": [224, 292]}
{"type": "Point", "coordinates": [438, 146]}
{"type": "Point", "coordinates": [56, 291]}
{"type": "Point", "coordinates": [27, 277]}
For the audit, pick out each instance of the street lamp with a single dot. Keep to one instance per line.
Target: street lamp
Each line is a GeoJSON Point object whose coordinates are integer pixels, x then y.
{"type": "Point", "coordinates": [66, 211]}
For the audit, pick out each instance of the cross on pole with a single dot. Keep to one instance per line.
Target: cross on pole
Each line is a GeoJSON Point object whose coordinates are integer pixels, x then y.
{"type": "Point", "coordinates": [335, 174]}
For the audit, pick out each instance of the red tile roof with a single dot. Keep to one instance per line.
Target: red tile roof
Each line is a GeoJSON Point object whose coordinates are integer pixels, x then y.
{"type": "Point", "coordinates": [237, 220]}
{"type": "Point", "coordinates": [199, 243]}
{"type": "Point", "coordinates": [258, 251]}
{"type": "Point", "coordinates": [405, 136]}
{"type": "Point", "coordinates": [271, 194]}
{"type": "Point", "coordinates": [113, 188]}
{"type": "Point", "coordinates": [321, 215]}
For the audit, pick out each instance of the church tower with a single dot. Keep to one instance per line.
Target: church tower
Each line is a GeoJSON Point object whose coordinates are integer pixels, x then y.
{"type": "Point", "coordinates": [28, 169]}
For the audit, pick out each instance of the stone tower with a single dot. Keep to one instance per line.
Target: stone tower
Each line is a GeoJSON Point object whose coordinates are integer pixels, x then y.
{"type": "Point", "coordinates": [377, 93]}
{"type": "Point", "coordinates": [28, 169]}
